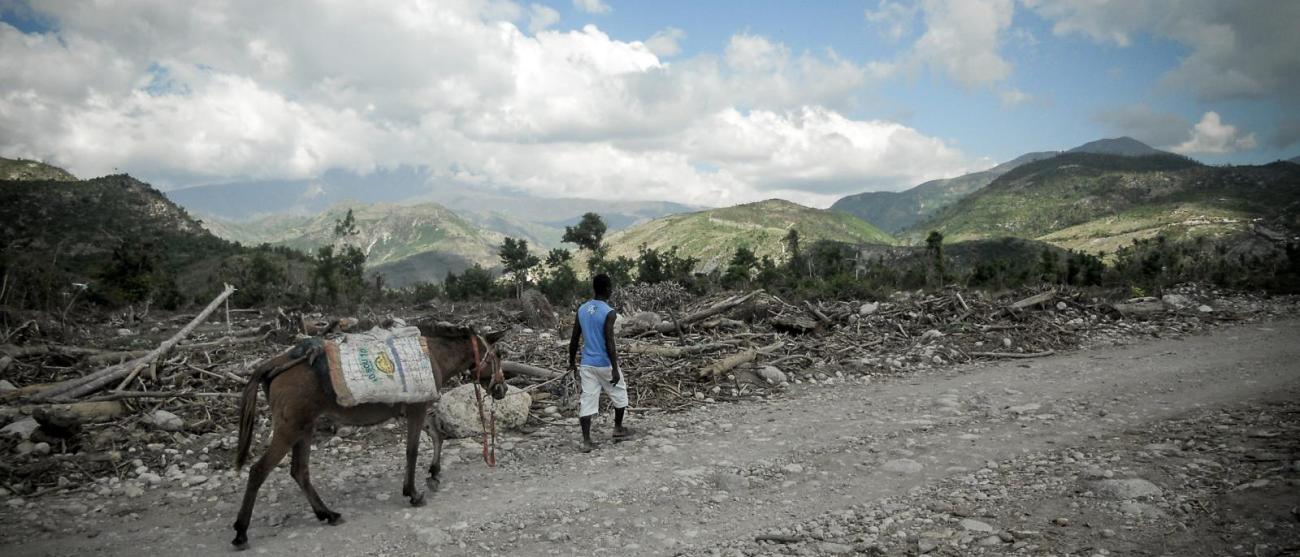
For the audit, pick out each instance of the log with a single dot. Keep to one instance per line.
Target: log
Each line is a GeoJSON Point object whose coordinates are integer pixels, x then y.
{"type": "Point", "coordinates": [734, 360]}
{"type": "Point", "coordinates": [1014, 354]}
{"type": "Point", "coordinates": [816, 312]}
{"type": "Point", "coordinates": [82, 386]}
{"type": "Point", "coordinates": [1034, 300]}
{"type": "Point", "coordinates": [720, 307]}
{"type": "Point", "coordinates": [673, 351]}
{"type": "Point", "coordinates": [516, 368]}
{"type": "Point", "coordinates": [123, 395]}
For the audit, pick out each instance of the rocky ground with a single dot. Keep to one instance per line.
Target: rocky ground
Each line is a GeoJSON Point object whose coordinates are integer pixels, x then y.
{"type": "Point", "coordinates": [1178, 446]}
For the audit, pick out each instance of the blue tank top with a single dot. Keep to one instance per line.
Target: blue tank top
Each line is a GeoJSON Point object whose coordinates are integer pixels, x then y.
{"type": "Point", "coordinates": [591, 317]}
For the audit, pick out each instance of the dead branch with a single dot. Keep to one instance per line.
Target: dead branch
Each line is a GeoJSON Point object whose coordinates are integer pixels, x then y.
{"type": "Point", "coordinates": [734, 360]}
{"type": "Point", "coordinates": [1034, 300]}
{"type": "Point", "coordinates": [1013, 354]}
{"type": "Point", "coordinates": [516, 368]}
{"type": "Point", "coordinates": [723, 306]}
{"type": "Point", "coordinates": [82, 386]}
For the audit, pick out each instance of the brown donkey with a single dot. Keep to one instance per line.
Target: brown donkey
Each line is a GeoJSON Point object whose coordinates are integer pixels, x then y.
{"type": "Point", "coordinates": [300, 393]}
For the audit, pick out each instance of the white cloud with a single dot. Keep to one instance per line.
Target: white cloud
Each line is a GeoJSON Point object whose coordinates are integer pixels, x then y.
{"type": "Point", "coordinates": [893, 19]}
{"type": "Point", "coordinates": [665, 42]}
{"type": "Point", "coordinates": [1211, 136]}
{"type": "Point", "coordinates": [1237, 49]}
{"type": "Point", "coordinates": [592, 6]}
{"type": "Point", "coordinates": [541, 17]}
{"type": "Point", "coordinates": [184, 94]}
{"type": "Point", "coordinates": [963, 38]}
{"type": "Point", "coordinates": [1012, 97]}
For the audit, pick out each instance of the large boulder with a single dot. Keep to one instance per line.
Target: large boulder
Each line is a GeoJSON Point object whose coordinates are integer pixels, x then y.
{"type": "Point", "coordinates": [538, 312]}
{"type": "Point", "coordinates": [458, 410]}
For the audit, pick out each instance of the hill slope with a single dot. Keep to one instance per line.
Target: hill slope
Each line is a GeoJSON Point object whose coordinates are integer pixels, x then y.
{"type": "Point", "coordinates": [1124, 146]}
{"type": "Point", "coordinates": [712, 236]}
{"type": "Point", "coordinates": [406, 243]}
{"type": "Point", "coordinates": [896, 211]}
{"type": "Point", "coordinates": [123, 239]}
{"type": "Point", "coordinates": [539, 220]}
{"type": "Point", "coordinates": [23, 169]}
{"type": "Point", "coordinates": [1098, 202]}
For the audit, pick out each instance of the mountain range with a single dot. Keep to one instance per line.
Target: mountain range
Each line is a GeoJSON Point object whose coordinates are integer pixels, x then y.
{"type": "Point", "coordinates": [896, 212]}
{"type": "Point", "coordinates": [1100, 202]}
{"type": "Point", "coordinates": [712, 236]}
{"type": "Point", "coordinates": [539, 220]}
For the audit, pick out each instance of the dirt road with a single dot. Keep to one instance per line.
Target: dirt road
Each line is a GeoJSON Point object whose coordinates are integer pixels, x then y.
{"type": "Point", "coordinates": [1176, 446]}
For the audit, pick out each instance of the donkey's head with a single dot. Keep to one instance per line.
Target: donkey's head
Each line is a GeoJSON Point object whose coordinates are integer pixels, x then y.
{"type": "Point", "coordinates": [486, 368]}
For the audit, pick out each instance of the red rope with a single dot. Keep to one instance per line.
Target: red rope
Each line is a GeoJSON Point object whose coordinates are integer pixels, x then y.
{"type": "Point", "coordinates": [489, 455]}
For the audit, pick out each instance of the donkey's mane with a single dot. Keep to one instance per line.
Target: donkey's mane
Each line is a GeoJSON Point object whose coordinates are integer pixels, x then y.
{"type": "Point", "coordinates": [445, 330]}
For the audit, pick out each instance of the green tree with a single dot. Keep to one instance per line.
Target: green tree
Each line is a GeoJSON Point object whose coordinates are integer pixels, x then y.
{"type": "Point", "coordinates": [934, 247]}
{"type": "Point", "coordinates": [516, 261]}
{"type": "Point", "coordinates": [589, 234]}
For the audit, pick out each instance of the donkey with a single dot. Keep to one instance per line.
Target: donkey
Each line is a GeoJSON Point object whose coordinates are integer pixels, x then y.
{"type": "Point", "coordinates": [300, 393]}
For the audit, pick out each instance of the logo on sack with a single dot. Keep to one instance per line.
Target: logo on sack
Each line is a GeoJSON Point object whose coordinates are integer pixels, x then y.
{"type": "Point", "coordinates": [385, 364]}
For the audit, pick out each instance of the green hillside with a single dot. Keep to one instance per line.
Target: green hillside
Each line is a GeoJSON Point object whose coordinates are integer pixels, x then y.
{"type": "Point", "coordinates": [1097, 202]}
{"type": "Point", "coordinates": [897, 211]}
{"type": "Point", "coordinates": [23, 169]}
{"type": "Point", "coordinates": [120, 241]}
{"type": "Point", "coordinates": [406, 243]}
{"type": "Point", "coordinates": [712, 236]}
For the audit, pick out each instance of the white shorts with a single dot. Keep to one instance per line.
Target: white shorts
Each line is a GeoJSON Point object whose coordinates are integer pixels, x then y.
{"type": "Point", "coordinates": [595, 380]}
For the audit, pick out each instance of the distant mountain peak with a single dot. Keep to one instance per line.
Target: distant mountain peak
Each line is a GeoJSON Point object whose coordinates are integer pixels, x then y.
{"type": "Point", "coordinates": [1125, 146]}
{"type": "Point", "coordinates": [23, 169]}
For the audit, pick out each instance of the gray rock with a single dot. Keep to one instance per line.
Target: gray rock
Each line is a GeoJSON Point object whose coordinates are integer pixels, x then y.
{"type": "Point", "coordinates": [165, 421]}
{"type": "Point", "coordinates": [1025, 408]}
{"type": "Point", "coordinates": [25, 448]}
{"type": "Point", "coordinates": [431, 536]}
{"type": "Point", "coordinates": [41, 448]}
{"type": "Point", "coordinates": [1205, 309]}
{"type": "Point", "coordinates": [6, 386]}
{"type": "Point", "coordinates": [132, 490]}
{"type": "Point", "coordinates": [1175, 300]}
{"type": "Point", "coordinates": [772, 374]}
{"type": "Point", "coordinates": [831, 548]}
{"type": "Point", "coordinates": [458, 411]}
{"type": "Point", "coordinates": [869, 308]}
{"type": "Point", "coordinates": [1131, 488]}
{"type": "Point", "coordinates": [21, 429]}
{"type": "Point", "coordinates": [975, 525]}
{"type": "Point", "coordinates": [902, 466]}
{"type": "Point", "coordinates": [731, 483]}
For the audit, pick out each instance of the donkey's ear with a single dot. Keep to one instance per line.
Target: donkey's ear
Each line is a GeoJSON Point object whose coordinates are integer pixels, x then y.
{"type": "Point", "coordinates": [493, 337]}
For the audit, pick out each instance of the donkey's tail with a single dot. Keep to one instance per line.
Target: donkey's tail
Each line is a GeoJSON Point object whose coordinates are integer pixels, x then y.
{"type": "Point", "coordinates": [248, 411]}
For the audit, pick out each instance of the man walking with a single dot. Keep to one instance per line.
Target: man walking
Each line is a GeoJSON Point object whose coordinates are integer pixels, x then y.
{"type": "Point", "coordinates": [594, 326]}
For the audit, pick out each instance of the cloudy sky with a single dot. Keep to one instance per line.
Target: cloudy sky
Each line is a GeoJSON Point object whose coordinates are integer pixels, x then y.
{"type": "Point", "coordinates": [698, 102]}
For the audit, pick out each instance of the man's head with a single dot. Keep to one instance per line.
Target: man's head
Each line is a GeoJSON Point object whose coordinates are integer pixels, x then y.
{"type": "Point", "coordinates": [602, 286]}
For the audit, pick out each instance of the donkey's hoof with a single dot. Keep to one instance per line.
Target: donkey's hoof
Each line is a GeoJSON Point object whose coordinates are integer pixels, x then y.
{"type": "Point", "coordinates": [330, 517]}
{"type": "Point", "coordinates": [433, 484]}
{"type": "Point", "coordinates": [240, 542]}
{"type": "Point", "coordinates": [417, 500]}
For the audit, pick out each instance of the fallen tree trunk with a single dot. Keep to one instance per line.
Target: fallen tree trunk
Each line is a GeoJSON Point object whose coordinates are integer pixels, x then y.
{"type": "Point", "coordinates": [82, 386]}
{"type": "Point", "coordinates": [673, 351]}
{"type": "Point", "coordinates": [734, 360]}
{"type": "Point", "coordinates": [516, 368]}
{"type": "Point", "coordinates": [723, 306]}
{"type": "Point", "coordinates": [1014, 354]}
{"type": "Point", "coordinates": [1035, 300]}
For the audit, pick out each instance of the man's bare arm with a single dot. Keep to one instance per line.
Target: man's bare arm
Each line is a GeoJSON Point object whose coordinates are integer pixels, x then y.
{"type": "Point", "coordinates": [573, 343]}
{"type": "Point", "coordinates": [609, 346]}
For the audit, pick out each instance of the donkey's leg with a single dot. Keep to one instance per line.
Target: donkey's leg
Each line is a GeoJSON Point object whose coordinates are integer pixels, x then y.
{"type": "Point", "coordinates": [414, 425]}
{"type": "Point", "coordinates": [301, 472]}
{"type": "Point", "coordinates": [435, 433]}
{"type": "Point", "coordinates": [282, 439]}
